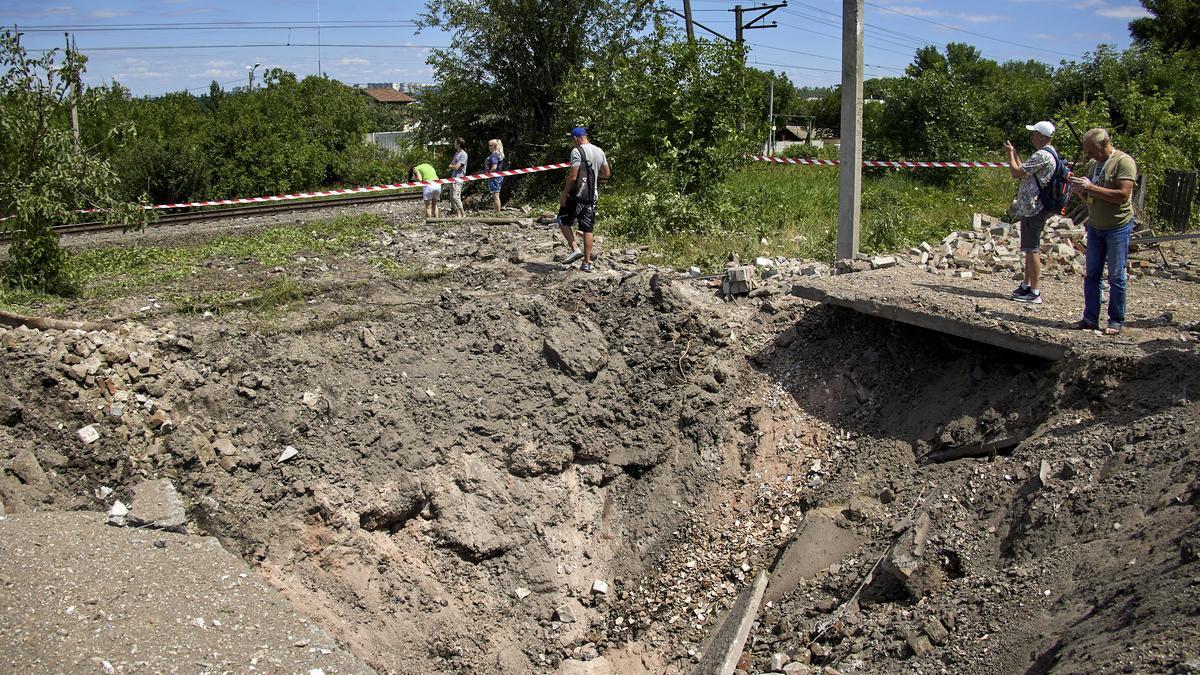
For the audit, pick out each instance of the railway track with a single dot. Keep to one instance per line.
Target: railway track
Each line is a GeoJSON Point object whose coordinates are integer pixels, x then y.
{"type": "Point", "coordinates": [234, 212]}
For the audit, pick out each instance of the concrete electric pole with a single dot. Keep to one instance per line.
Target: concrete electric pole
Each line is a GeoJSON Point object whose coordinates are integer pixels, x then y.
{"type": "Point", "coordinates": [850, 171]}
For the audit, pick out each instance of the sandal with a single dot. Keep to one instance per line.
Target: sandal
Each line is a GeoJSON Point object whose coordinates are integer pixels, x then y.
{"type": "Point", "coordinates": [1112, 330]}
{"type": "Point", "coordinates": [1083, 325]}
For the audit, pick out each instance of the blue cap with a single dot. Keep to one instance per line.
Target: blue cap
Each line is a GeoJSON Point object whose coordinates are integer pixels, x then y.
{"type": "Point", "coordinates": [578, 131]}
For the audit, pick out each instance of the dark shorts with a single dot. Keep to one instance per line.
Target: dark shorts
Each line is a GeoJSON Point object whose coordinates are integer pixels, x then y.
{"type": "Point", "coordinates": [575, 213]}
{"type": "Point", "coordinates": [494, 184]}
{"type": "Point", "coordinates": [1031, 230]}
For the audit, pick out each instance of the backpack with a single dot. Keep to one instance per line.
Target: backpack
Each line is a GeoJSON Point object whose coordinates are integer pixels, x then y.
{"type": "Point", "coordinates": [1054, 194]}
{"type": "Point", "coordinates": [585, 181]}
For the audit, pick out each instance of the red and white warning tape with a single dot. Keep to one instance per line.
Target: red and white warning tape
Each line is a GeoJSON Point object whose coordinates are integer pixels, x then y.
{"type": "Point", "coordinates": [343, 191]}
{"type": "Point", "coordinates": [360, 190]}
{"type": "Point", "coordinates": [883, 163]}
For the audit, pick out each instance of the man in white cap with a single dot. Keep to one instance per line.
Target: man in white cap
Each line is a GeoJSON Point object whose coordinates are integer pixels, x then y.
{"type": "Point", "coordinates": [1035, 175]}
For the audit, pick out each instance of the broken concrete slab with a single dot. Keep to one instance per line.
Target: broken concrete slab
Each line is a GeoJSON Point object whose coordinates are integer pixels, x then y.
{"type": "Point", "coordinates": [818, 543]}
{"type": "Point", "coordinates": [156, 504]}
{"type": "Point", "coordinates": [724, 648]}
{"type": "Point", "coordinates": [883, 300]}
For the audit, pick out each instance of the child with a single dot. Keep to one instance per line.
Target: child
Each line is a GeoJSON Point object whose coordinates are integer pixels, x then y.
{"type": "Point", "coordinates": [432, 193]}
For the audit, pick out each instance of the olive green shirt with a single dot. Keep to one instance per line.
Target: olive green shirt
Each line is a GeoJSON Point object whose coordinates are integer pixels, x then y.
{"type": "Point", "coordinates": [1104, 215]}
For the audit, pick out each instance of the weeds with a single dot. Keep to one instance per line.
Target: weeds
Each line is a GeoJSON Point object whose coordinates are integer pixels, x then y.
{"type": "Point", "coordinates": [105, 270]}
{"type": "Point", "coordinates": [400, 272]}
{"type": "Point", "coordinates": [112, 270]}
{"type": "Point", "coordinates": [793, 211]}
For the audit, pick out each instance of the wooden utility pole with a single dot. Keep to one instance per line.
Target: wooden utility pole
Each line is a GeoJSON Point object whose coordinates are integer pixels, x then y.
{"type": "Point", "coordinates": [75, 93]}
{"type": "Point", "coordinates": [687, 19]}
{"type": "Point", "coordinates": [850, 171]}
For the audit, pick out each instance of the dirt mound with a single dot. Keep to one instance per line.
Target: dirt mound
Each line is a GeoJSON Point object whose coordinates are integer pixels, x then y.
{"type": "Point", "coordinates": [511, 467]}
{"type": "Point", "coordinates": [482, 461]}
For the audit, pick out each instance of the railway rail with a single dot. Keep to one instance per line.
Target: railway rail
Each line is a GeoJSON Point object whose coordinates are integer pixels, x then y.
{"type": "Point", "coordinates": [233, 212]}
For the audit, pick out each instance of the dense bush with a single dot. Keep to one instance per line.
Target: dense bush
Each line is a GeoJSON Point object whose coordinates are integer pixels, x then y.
{"type": "Point", "coordinates": [288, 135]}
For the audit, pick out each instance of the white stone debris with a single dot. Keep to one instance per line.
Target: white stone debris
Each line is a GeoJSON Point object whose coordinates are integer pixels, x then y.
{"type": "Point", "coordinates": [288, 453]}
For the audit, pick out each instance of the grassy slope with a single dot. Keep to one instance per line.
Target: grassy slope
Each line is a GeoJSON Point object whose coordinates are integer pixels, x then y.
{"type": "Point", "coordinates": [795, 209]}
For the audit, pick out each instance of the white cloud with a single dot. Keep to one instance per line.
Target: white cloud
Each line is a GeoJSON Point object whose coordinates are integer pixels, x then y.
{"type": "Point", "coordinates": [219, 64]}
{"type": "Point", "coordinates": [1085, 4]}
{"type": "Point", "coordinates": [982, 18]}
{"type": "Point", "coordinates": [354, 61]}
{"type": "Point", "coordinates": [1123, 12]}
{"type": "Point", "coordinates": [909, 10]}
{"type": "Point", "coordinates": [217, 72]}
{"type": "Point", "coordinates": [916, 11]}
{"type": "Point", "coordinates": [109, 13]}
{"type": "Point", "coordinates": [51, 11]}
{"type": "Point", "coordinates": [141, 75]}
{"type": "Point", "coordinates": [194, 10]}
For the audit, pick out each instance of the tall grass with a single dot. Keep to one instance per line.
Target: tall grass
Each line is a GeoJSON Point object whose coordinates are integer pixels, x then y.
{"type": "Point", "coordinates": [794, 209]}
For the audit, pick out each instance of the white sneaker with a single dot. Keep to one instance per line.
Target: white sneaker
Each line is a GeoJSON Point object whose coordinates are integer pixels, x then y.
{"type": "Point", "coordinates": [572, 257]}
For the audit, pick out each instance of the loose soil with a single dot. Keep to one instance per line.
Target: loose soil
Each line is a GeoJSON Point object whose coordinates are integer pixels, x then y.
{"type": "Point", "coordinates": [509, 466]}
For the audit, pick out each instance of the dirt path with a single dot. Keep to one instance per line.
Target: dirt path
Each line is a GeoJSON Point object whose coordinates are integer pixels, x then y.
{"type": "Point", "coordinates": [505, 465]}
{"type": "Point", "coordinates": [83, 597]}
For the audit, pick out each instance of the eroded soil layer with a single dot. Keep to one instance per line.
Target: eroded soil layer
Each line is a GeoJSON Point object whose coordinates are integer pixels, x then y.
{"type": "Point", "coordinates": [511, 467]}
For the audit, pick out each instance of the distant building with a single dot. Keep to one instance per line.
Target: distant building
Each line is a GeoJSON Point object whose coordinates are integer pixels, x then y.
{"type": "Point", "coordinates": [789, 135]}
{"type": "Point", "coordinates": [387, 95]}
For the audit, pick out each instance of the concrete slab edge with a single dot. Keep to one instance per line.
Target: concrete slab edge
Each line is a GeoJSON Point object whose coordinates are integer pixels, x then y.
{"type": "Point", "coordinates": [722, 655]}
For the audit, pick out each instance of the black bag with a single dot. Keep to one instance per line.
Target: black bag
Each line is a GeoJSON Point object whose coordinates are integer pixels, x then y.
{"type": "Point", "coordinates": [1054, 194]}
{"type": "Point", "coordinates": [585, 180]}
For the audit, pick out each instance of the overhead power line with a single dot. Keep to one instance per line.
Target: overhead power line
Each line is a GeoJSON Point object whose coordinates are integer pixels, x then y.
{"type": "Point", "coordinates": [215, 25]}
{"type": "Point", "coordinates": [219, 84]}
{"type": "Point", "coordinates": [870, 44]}
{"type": "Point", "coordinates": [156, 29]}
{"type": "Point", "coordinates": [836, 22]}
{"type": "Point", "coordinates": [794, 67]}
{"type": "Point", "coordinates": [819, 56]}
{"type": "Point", "coordinates": [250, 46]}
{"type": "Point", "coordinates": [985, 36]}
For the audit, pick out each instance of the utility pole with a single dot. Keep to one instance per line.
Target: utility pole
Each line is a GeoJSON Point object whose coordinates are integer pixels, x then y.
{"type": "Point", "coordinates": [740, 28]}
{"type": "Point", "coordinates": [850, 170]}
{"type": "Point", "coordinates": [741, 25]}
{"type": "Point", "coordinates": [771, 120]}
{"type": "Point", "coordinates": [75, 94]}
{"type": "Point", "coordinates": [687, 19]}
{"type": "Point", "coordinates": [250, 75]}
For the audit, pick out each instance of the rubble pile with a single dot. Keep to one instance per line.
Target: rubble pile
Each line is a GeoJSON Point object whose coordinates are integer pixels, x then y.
{"type": "Point", "coordinates": [126, 385]}
{"type": "Point", "coordinates": [994, 247]}
{"type": "Point", "coordinates": [698, 579]}
{"type": "Point", "coordinates": [1180, 270]}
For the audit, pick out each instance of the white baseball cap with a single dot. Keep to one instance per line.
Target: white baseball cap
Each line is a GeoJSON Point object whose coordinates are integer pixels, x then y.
{"type": "Point", "coordinates": [1044, 128]}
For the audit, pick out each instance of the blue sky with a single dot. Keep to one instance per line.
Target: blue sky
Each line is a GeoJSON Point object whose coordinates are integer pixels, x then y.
{"type": "Point", "coordinates": [217, 39]}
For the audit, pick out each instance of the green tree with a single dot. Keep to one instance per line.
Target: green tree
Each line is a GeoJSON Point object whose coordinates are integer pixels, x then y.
{"type": "Point", "coordinates": [667, 106]}
{"type": "Point", "coordinates": [508, 60]}
{"type": "Point", "coordinates": [45, 176]}
{"type": "Point", "coordinates": [1172, 26]}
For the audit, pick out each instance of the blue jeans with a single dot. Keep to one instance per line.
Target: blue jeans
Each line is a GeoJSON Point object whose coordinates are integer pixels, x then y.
{"type": "Point", "coordinates": [1109, 247]}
